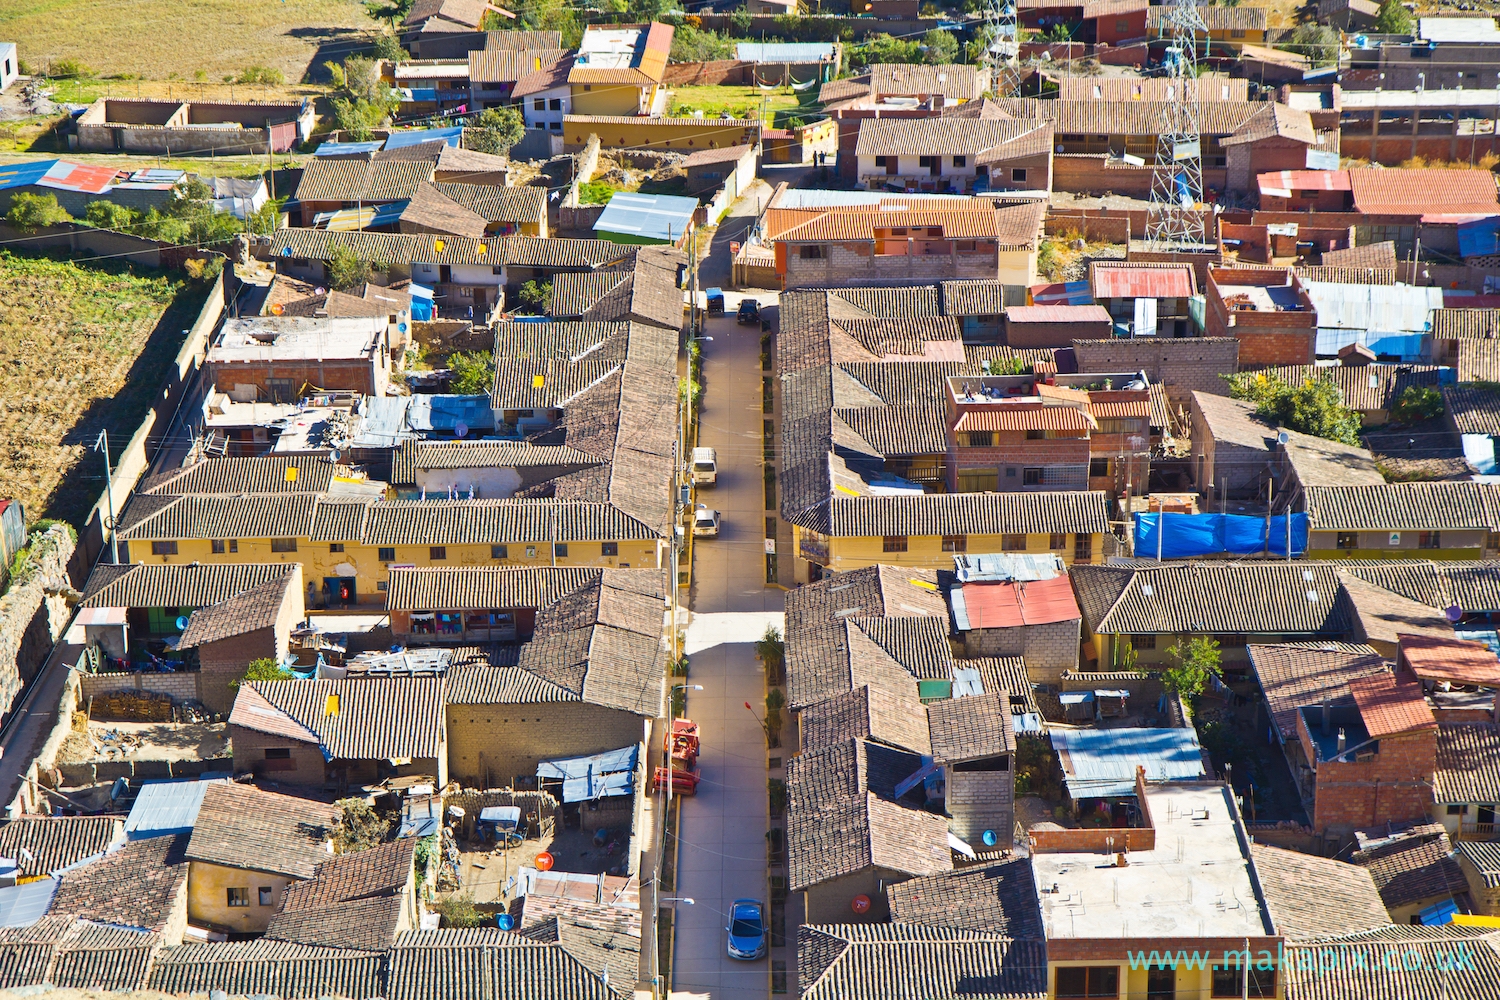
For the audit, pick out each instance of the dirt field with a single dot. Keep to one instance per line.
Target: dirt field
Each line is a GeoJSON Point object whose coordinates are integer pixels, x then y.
{"type": "Point", "coordinates": [81, 348]}
{"type": "Point", "coordinates": [158, 38]}
{"type": "Point", "coordinates": [144, 741]}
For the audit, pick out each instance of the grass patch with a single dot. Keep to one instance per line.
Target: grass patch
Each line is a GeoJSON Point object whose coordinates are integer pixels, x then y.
{"type": "Point", "coordinates": [82, 348]}
{"type": "Point", "coordinates": [738, 101]}
{"type": "Point", "coordinates": [156, 38]}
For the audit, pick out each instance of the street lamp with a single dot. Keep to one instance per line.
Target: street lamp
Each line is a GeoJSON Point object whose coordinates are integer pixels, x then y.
{"type": "Point", "coordinates": [677, 899]}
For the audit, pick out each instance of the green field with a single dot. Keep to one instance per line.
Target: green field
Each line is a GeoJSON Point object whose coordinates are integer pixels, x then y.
{"type": "Point", "coordinates": [158, 38]}
{"type": "Point", "coordinates": [82, 348]}
{"type": "Point", "coordinates": [738, 101]}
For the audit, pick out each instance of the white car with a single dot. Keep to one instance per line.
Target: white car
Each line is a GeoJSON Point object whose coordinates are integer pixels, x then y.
{"type": "Point", "coordinates": [705, 522]}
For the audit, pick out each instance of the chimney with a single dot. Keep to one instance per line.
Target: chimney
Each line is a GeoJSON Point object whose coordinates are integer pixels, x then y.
{"type": "Point", "coordinates": [1341, 741]}
{"type": "Point", "coordinates": [1120, 861]}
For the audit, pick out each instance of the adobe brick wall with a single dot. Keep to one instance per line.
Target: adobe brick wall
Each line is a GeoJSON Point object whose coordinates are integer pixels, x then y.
{"type": "Point", "coordinates": [490, 744]}
{"type": "Point", "coordinates": [1062, 841]}
{"type": "Point", "coordinates": [841, 266]}
{"type": "Point", "coordinates": [1181, 366]}
{"type": "Point", "coordinates": [707, 74]}
{"type": "Point", "coordinates": [1486, 898]}
{"type": "Point", "coordinates": [305, 767]}
{"type": "Point", "coordinates": [1091, 173]}
{"type": "Point", "coordinates": [980, 801]}
{"type": "Point", "coordinates": [1049, 650]}
{"type": "Point", "coordinates": [356, 375]}
{"type": "Point", "coordinates": [181, 687]}
{"type": "Point", "coordinates": [225, 661]}
{"type": "Point", "coordinates": [1393, 787]}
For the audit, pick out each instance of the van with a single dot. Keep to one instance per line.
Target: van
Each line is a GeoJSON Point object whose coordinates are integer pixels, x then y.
{"type": "Point", "coordinates": [705, 467]}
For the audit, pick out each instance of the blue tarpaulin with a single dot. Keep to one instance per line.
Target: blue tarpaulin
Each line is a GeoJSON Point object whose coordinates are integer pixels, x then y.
{"type": "Point", "coordinates": [451, 135]}
{"type": "Point", "coordinates": [587, 778]}
{"type": "Point", "coordinates": [1217, 534]}
{"type": "Point", "coordinates": [421, 302]}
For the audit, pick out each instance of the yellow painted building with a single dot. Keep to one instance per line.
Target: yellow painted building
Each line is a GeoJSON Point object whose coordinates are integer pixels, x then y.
{"type": "Point", "coordinates": [682, 134]}
{"type": "Point", "coordinates": [1439, 521]}
{"type": "Point", "coordinates": [838, 555]}
{"type": "Point", "coordinates": [619, 68]}
{"type": "Point", "coordinates": [234, 900]}
{"type": "Point", "coordinates": [347, 549]}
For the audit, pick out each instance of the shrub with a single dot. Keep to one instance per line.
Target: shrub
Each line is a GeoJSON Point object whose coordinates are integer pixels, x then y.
{"type": "Point", "coordinates": [389, 47]}
{"type": "Point", "coordinates": [67, 69]}
{"type": "Point", "coordinates": [473, 374]}
{"type": "Point", "coordinates": [345, 269]}
{"type": "Point", "coordinates": [358, 826]}
{"type": "Point", "coordinates": [940, 46]}
{"type": "Point", "coordinates": [109, 215]}
{"type": "Point", "coordinates": [1195, 662]}
{"type": "Point", "coordinates": [1315, 407]}
{"type": "Point", "coordinates": [460, 911]}
{"type": "Point", "coordinates": [1393, 18]}
{"type": "Point", "coordinates": [495, 131]}
{"type": "Point", "coordinates": [1417, 403]}
{"type": "Point", "coordinates": [692, 44]}
{"type": "Point", "coordinates": [264, 669]}
{"type": "Point", "coordinates": [534, 297]}
{"type": "Point", "coordinates": [770, 649]}
{"type": "Point", "coordinates": [30, 212]}
{"type": "Point", "coordinates": [595, 193]}
{"type": "Point", "coordinates": [263, 75]}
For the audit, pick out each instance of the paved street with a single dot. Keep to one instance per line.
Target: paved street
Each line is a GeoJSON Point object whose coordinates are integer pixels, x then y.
{"type": "Point", "coordinates": [722, 853]}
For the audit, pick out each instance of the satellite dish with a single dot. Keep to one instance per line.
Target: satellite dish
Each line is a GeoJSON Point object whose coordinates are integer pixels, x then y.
{"type": "Point", "coordinates": [505, 921]}
{"type": "Point", "coordinates": [277, 309]}
{"type": "Point", "coordinates": [320, 290]}
{"type": "Point", "coordinates": [989, 838]}
{"type": "Point", "coordinates": [401, 327]}
{"type": "Point", "coordinates": [460, 429]}
{"type": "Point", "coordinates": [333, 456]}
{"type": "Point", "coordinates": [1453, 614]}
{"type": "Point", "coordinates": [544, 861]}
{"type": "Point", "coordinates": [1282, 437]}
{"type": "Point", "coordinates": [286, 251]}
{"type": "Point", "coordinates": [860, 903]}
{"type": "Point", "coordinates": [182, 622]}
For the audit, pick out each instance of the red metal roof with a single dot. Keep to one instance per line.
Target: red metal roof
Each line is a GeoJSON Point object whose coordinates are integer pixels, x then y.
{"type": "Point", "coordinates": [1007, 604]}
{"type": "Point", "coordinates": [1303, 180]}
{"type": "Point", "coordinates": [68, 176]}
{"type": "Point", "coordinates": [1388, 708]}
{"type": "Point", "coordinates": [1454, 660]}
{"type": "Point", "coordinates": [1123, 281]}
{"type": "Point", "coordinates": [1057, 314]}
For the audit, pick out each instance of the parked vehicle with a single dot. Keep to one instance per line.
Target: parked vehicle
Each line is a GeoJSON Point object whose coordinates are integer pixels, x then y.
{"type": "Point", "coordinates": [715, 301]}
{"type": "Point", "coordinates": [747, 930]}
{"type": "Point", "coordinates": [705, 522]}
{"type": "Point", "coordinates": [705, 467]}
{"type": "Point", "coordinates": [749, 312]}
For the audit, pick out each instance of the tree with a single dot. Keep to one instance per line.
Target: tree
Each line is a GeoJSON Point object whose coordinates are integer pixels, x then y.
{"type": "Point", "coordinates": [693, 44]}
{"type": "Point", "coordinates": [770, 650]}
{"type": "Point", "coordinates": [345, 269]}
{"type": "Point", "coordinates": [535, 297]}
{"type": "Point", "coordinates": [359, 78]}
{"type": "Point", "coordinates": [1318, 42]}
{"type": "Point", "coordinates": [388, 47]}
{"type": "Point", "coordinates": [1196, 661]}
{"type": "Point", "coordinates": [473, 373]}
{"type": "Point", "coordinates": [30, 212]}
{"type": "Point", "coordinates": [1315, 407]}
{"type": "Point", "coordinates": [883, 48]}
{"type": "Point", "coordinates": [264, 669]}
{"type": "Point", "coordinates": [1393, 18]}
{"type": "Point", "coordinates": [358, 118]}
{"type": "Point", "coordinates": [940, 46]}
{"type": "Point", "coordinates": [1417, 403]}
{"type": "Point", "coordinates": [110, 215]}
{"type": "Point", "coordinates": [358, 826]}
{"type": "Point", "coordinates": [495, 131]}
{"type": "Point", "coordinates": [388, 10]}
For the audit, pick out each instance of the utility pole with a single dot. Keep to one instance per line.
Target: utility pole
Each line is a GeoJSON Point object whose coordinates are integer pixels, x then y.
{"type": "Point", "coordinates": [101, 443]}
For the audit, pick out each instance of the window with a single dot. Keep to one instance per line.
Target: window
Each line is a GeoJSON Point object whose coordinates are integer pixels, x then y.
{"type": "Point", "coordinates": [281, 390]}
{"type": "Point", "coordinates": [955, 543]}
{"type": "Point", "coordinates": [1057, 541]}
{"type": "Point", "coordinates": [1122, 25]}
{"type": "Point", "coordinates": [1018, 175]}
{"type": "Point", "coordinates": [1031, 477]}
{"type": "Point", "coordinates": [1236, 32]}
{"type": "Point", "coordinates": [1231, 982]}
{"type": "Point", "coordinates": [1348, 540]}
{"type": "Point", "coordinates": [926, 161]}
{"type": "Point", "coordinates": [560, 550]}
{"type": "Point", "coordinates": [163, 548]}
{"type": "Point", "coordinates": [981, 439]}
{"type": "Point", "coordinates": [1098, 467]}
{"type": "Point", "coordinates": [335, 546]}
{"type": "Point", "coordinates": [437, 552]}
{"type": "Point", "coordinates": [278, 753]}
{"type": "Point", "coordinates": [1088, 982]}
{"type": "Point", "coordinates": [1083, 548]}
{"type": "Point", "coordinates": [555, 126]}
{"type": "Point", "coordinates": [234, 545]}
{"type": "Point", "coordinates": [1143, 641]}
{"type": "Point", "coordinates": [499, 552]}
{"type": "Point", "coordinates": [217, 546]}
{"type": "Point", "coordinates": [267, 896]}
{"type": "Point", "coordinates": [893, 543]}
{"type": "Point", "coordinates": [540, 104]}
{"type": "Point", "coordinates": [1012, 543]}
{"type": "Point", "coordinates": [1035, 434]}
{"type": "Point", "coordinates": [1458, 810]}
{"type": "Point", "coordinates": [1010, 472]}
{"type": "Point", "coordinates": [810, 253]}
{"type": "Point", "coordinates": [960, 161]}
{"type": "Point", "coordinates": [609, 548]}
{"type": "Point", "coordinates": [1429, 540]}
{"type": "Point", "coordinates": [555, 104]}
{"type": "Point", "coordinates": [283, 545]}
{"type": "Point", "coordinates": [238, 896]}
{"type": "Point", "coordinates": [386, 554]}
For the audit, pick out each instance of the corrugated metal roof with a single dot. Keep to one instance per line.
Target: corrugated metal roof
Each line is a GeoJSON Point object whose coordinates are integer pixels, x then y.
{"type": "Point", "coordinates": [1126, 281]}
{"type": "Point", "coordinates": [1102, 762]}
{"type": "Point", "coordinates": [348, 148]}
{"type": "Point", "coordinates": [400, 140]}
{"type": "Point", "coordinates": [1057, 314]}
{"type": "Point", "coordinates": [783, 52]}
{"type": "Point", "coordinates": [164, 807]}
{"type": "Point", "coordinates": [1007, 604]}
{"type": "Point", "coordinates": [1374, 309]}
{"type": "Point", "coordinates": [647, 216]}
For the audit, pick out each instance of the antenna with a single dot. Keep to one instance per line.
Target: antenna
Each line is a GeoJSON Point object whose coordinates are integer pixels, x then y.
{"type": "Point", "coordinates": [1002, 55]}
{"type": "Point", "coordinates": [1173, 221]}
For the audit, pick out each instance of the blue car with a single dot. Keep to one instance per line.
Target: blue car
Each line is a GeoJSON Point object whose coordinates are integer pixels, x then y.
{"type": "Point", "coordinates": [747, 930]}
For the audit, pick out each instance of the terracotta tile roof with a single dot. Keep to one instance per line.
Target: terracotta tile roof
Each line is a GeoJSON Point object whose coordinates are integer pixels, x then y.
{"type": "Point", "coordinates": [278, 968]}
{"type": "Point", "coordinates": [376, 871]}
{"type": "Point", "coordinates": [241, 826]}
{"type": "Point", "coordinates": [525, 251]}
{"type": "Point", "coordinates": [1013, 226]}
{"type": "Point", "coordinates": [256, 608]}
{"type": "Point", "coordinates": [837, 961]}
{"type": "Point", "coordinates": [510, 65]}
{"type": "Point", "coordinates": [866, 712]}
{"type": "Point", "coordinates": [1425, 192]}
{"type": "Point", "coordinates": [469, 13]}
{"type": "Point", "coordinates": [844, 90]}
{"type": "Point", "coordinates": [490, 963]}
{"type": "Point", "coordinates": [1468, 763]}
{"type": "Point", "coordinates": [1024, 417]}
{"type": "Point", "coordinates": [517, 38]}
{"type": "Point", "coordinates": [431, 211]}
{"type": "Point", "coordinates": [1297, 675]}
{"type": "Point", "coordinates": [705, 157]}
{"type": "Point", "coordinates": [259, 474]}
{"type": "Point", "coordinates": [1478, 360]}
{"type": "Point", "coordinates": [1381, 615]}
{"type": "Point", "coordinates": [954, 81]}
{"type": "Point", "coordinates": [899, 430]}
{"type": "Point", "coordinates": [353, 719]}
{"type": "Point", "coordinates": [597, 935]}
{"type": "Point", "coordinates": [1404, 506]}
{"type": "Point", "coordinates": [1357, 964]}
{"type": "Point", "coordinates": [1484, 857]}
{"type": "Point", "coordinates": [1236, 598]}
{"type": "Point", "coordinates": [551, 76]}
{"type": "Point", "coordinates": [101, 956]}
{"type": "Point", "coordinates": [970, 728]}
{"type": "Point", "coordinates": [1076, 512]}
{"type": "Point", "coordinates": [1474, 409]}
{"type": "Point", "coordinates": [988, 141]}
{"type": "Point", "coordinates": [147, 585]}
{"type": "Point", "coordinates": [498, 204]}
{"type": "Point", "coordinates": [1466, 324]}
{"type": "Point", "coordinates": [1413, 869]}
{"type": "Point", "coordinates": [998, 898]}
{"type": "Point", "coordinates": [1310, 897]}
{"type": "Point", "coordinates": [1381, 255]}
{"type": "Point", "coordinates": [41, 845]}
{"type": "Point", "coordinates": [1273, 121]}
{"type": "Point", "coordinates": [1456, 661]}
{"type": "Point", "coordinates": [1389, 708]}
{"type": "Point", "coordinates": [1142, 118]}
{"type": "Point", "coordinates": [370, 181]}
{"type": "Point", "coordinates": [140, 885]}
{"type": "Point", "coordinates": [1211, 86]}
{"type": "Point", "coordinates": [1056, 314]}
{"type": "Point", "coordinates": [1218, 18]}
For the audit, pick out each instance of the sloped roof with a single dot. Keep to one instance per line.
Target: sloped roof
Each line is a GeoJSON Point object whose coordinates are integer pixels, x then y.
{"type": "Point", "coordinates": [999, 899]}
{"type": "Point", "coordinates": [1265, 598]}
{"type": "Point", "coordinates": [990, 140]}
{"type": "Point", "coordinates": [1297, 675]}
{"type": "Point", "coordinates": [164, 585]}
{"type": "Point", "coordinates": [867, 712]}
{"type": "Point", "coordinates": [1312, 897]}
{"type": "Point", "coordinates": [433, 211]}
{"type": "Point", "coordinates": [329, 179]}
{"type": "Point", "coordinates": [1404, 506]}
{"type": "Point", "coordinates": [256, 608]}
{"type": "Point", "coordinates": [265, 966]}
{"type": "Point", "coordinates": [1426, 191]}
{"type": "Point", "coordinates": [1411, 869]}
{"type": "Point", "coordinates": [56, 842]}
{"type": "Point", "coordinates": [1389, 707]}
{"type": "Point", "coordinates": [887, 961]}
{"type": "Point", "coordinates": [241, 826]}
{"type": "Point", "coordinates": [1468, 763]}
{"type": "Point", "coordinates": [1274, 121]}
{"type": "Point", "coordinates": [139, 885]}
{"type": "Point", "coordinates": [352, 719]}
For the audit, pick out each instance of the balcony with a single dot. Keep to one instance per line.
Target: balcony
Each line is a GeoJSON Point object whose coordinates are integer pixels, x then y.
{"type": "Point", "coordinates": [1478, 831]}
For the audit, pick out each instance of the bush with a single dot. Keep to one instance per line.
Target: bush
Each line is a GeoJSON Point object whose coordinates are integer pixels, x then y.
{"type": "Point", "coordinates": [495, 131]}
{"type": "Point", "coordinates": [388, 47]}
{"type": "Point", "coordinates": [595, 193]}
{"type": "Point", "coordinates": [204, 269]}
{"type": "Point", "coordinates": [30, 212]}
{"type": "Point", "coordinates": [261, 74]}
{"type": "Point", "coordinates": [346, 270]}
{"type": "Point", "coordinates": [68, 69]}
{"type": "Point", "coordinates": [1393, 19]}
{"type": "Point", "coordinates": [940, 46]}
{"type": "Point", "coordinates": [460, 911]}
{"type": "Point", "coordinates": [1196, 661]}
{"type": "Point", "coordinates": [691, 44]}
{"type": "Point", "coordinates": [1315, 407]}
{"type": "Point", "coordinates": [1318, 42]}
{"type": "Point", "coordinates": [109, 215]}
{"type": "Point", "coordinates": [264, 669]}
{"type": "Point", "coordinates": [473, 374]}
{"type": "Point", "coordinates": [1417, 403]}
{"type": "Point", "coordinates": [770, 650]}
{"type": "Point", "coordinates": [358, 826]}
{"type": "Point", "coordinates": [534, 297]}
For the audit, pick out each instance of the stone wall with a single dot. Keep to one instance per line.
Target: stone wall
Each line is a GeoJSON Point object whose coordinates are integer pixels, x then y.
{"type": "Point", "coordinates": [90, 772]}
{"type": "Point", "coordinates": [31, 620]}
{"type": "Point", "coordinates": [1049, 650]}
{"type": "Point", "coordinates": [493, 743]}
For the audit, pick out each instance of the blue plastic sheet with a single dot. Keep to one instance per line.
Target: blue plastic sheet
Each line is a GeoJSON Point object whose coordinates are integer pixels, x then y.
{"type": "Point", "coordinates": [1185, 535]}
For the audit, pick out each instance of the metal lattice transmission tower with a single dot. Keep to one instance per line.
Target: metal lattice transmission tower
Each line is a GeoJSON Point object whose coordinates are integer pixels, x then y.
{"type": "Point", "coordinates": [1002, 55]}
{"type": "Point", "coordinates": [1173, 221]}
